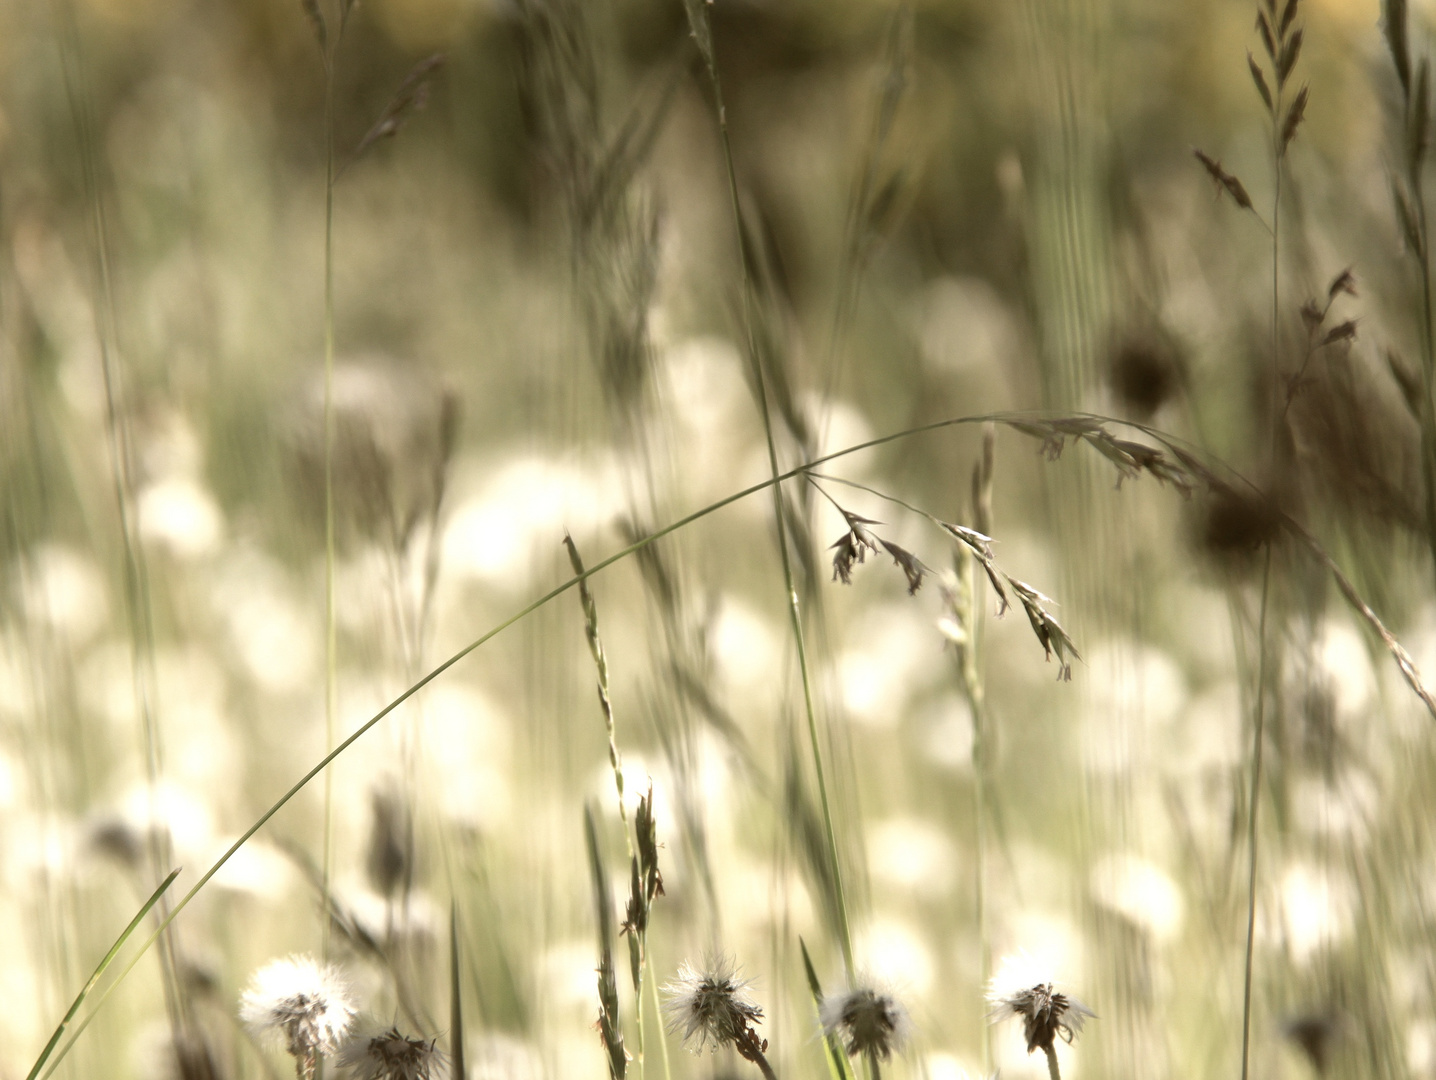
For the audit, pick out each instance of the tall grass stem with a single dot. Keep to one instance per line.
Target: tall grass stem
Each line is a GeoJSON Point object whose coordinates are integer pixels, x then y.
{"type": "Point", "coordinates": [795, 617]}
{"type": "Point", "coordinates": [1258, 736]}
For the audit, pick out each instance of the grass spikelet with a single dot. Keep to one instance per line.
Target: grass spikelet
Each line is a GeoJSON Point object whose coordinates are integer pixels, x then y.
{"type": "Point", "coordinates": [1049, 632]}
{"type": "Point", "coordinates": [1225, 180]}
{"type": "Point", "coordinates": [600, 663]}
{"type": "Point", "coordinates": [1260, 80]}
{"type": "Point", "coordinates": [410, 97]}
{"type": "Point", "coordinates": [610, 1028]}
{"type": "Point", "coordinates": [1295, 113]}
{"type": "Point", "coordinates": [1290, 53]}
{"type": "Point", "coordinates": [1287, 16]}
{"type": "Point", "coordinates": [1267, 41]}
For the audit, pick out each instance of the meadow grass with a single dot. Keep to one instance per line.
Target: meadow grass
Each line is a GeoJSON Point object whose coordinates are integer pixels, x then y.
{"type": "Point", "coordinates": [675, 264]}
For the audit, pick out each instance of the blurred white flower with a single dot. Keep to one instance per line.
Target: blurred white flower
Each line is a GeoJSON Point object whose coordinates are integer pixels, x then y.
{"type": "Point", "coordinates": [1141, 891]}
{"type": "Point", "coordinates": [912, 855]}
{"type": "Point", "coordinates": [64, 590]}
{"type": "Point", "coordinates": [305, 1002]}
{"type": "Point", "coordinates": [180, 515]}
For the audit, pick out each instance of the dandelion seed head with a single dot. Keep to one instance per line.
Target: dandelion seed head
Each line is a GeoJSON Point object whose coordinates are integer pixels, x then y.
{"type": "Point", "coordinates": [1020, 989]}
{"type": "Point", "coordinates": [709, 1006]}
{"type": "Point", "coordinates": [307, 1002]}
{"type": "Point", "coordinates": [868, 1019]}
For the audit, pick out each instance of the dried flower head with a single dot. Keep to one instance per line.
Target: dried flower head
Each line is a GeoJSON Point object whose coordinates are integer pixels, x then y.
{"type": "Point", "coordinates": [853, 546]}
{"type": "Point", "coordinates": [867, 1019]}
{"type": "Point", "coordinates": [305, 1001]}
{"type": "Point", "coordinates": [1047, 1014]}
{"type": "Point", "coordinates": [709, 1006]}
{"type": "Point", "coordinates": [393, 1056]}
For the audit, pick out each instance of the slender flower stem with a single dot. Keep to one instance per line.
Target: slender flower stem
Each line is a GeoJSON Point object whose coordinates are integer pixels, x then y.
{"type": "Point", "coordinates": [117, 433]}
{"type": "Point", "coordinates": [1254, 799]}
{"type": "Point", "coordinates": [1276, 270]}
{"type": "Point", "coordinates": [795, 617]}
{"type": "Point", "coordinates": [658, 1012]}
{"type": "Point", "coordinates": [750, 1049]}
{"type": "Point", "coordinates": [331, 678]}
{"type": "Point", "coordinates": [1428, 352]}
{"type": "Point", "coordinates": [1053, 1072]}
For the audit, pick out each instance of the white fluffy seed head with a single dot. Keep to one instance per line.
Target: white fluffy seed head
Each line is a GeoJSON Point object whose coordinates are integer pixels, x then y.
{"type": "Point", "coordinates": [1021, 988]}
{"type": "Point", "coordinates": [307, 1003]}
{"type": "Point", "coordinates": [709, 1006]}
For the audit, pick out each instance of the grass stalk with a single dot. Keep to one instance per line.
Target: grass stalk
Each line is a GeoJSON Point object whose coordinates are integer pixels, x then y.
{"type": "Point", "coordinates": [974, 688]}
{"type": "Point", "coordinates": [657, 1014]}
{"type": "Point", "coordinates": [331, 676]}
{"type": "Point", "coordinates": [795, 617]}
{"type": "Point", "coordinates": [1254, 797]}
{"type": "Point", "coordinates": [456, 1001]}
{"type": "Point", "coordinates": [600, 662]}
{"type": "Point", "coordinates": [1053, 1072]}
{"type": "Point", "coordinates": [117, 434]}
{"type": "Point", "coordinates": [100, 970]}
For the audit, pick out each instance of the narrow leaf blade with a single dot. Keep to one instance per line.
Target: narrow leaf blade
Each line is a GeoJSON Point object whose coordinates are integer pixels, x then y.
{"type": "Point", "coordinates": [99, 972]}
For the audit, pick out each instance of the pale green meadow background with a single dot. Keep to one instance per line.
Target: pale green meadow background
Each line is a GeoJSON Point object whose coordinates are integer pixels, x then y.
{"type": "Point", "coordinates": [952, 208]}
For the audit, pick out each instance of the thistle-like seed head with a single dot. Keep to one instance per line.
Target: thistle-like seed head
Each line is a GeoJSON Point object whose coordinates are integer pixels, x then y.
{"type": "Point", "coordinates": [306, 1002]}
{"type": "Point", "coordinates": [1047, 1014]}
{"type": "Point", "coordinates": [867, 1019]}
{"type": "Point", "coordinates": [393, 1056]}
{"type": "Point", "coordinates": [709, 1006]}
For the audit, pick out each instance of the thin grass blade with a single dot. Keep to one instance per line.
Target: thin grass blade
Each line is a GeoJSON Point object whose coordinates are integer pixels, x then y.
{"type": "Point", "coordinates": [99, 972]}
{"type": "Point", "coordinates": [456, 1004]}
{"type": "Point", "coordinates": [837, 1060]}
